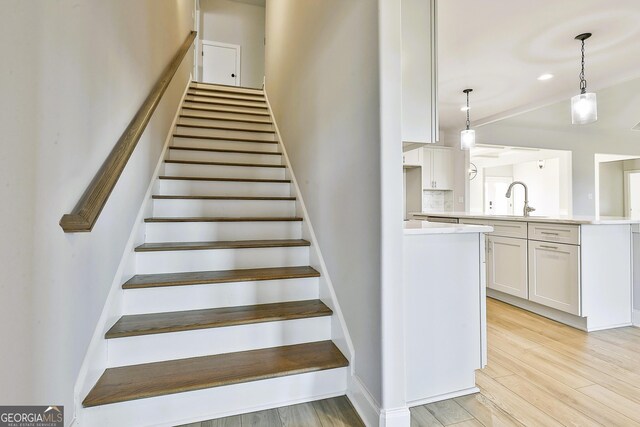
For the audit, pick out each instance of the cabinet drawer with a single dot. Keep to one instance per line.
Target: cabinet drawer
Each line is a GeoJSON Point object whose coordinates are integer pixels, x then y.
{"type": "Point", "coordinates": [446, 220]}
{"type": "Point", "coordinates": [560, 233]}
{"type": "Point", "coordinates": [509, 229]}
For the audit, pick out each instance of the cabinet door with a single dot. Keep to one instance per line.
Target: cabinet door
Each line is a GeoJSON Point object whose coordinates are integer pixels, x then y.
{"type": "Point", "coordinates": [554, 275]}
{"type": "Point", "coordinates": [427, 167]}
{"type": "Point", "coordinates": [442, 171]}
{"type": "Point", "coordinates": [412, 157]}
{"type": "Point", "coordinates": [507, 265]}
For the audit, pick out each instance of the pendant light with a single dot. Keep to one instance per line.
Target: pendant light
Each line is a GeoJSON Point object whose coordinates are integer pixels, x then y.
{"type": "Point", "coordinates": [584, 107]}
{"type": "Point", "coordinates": [467, 136]}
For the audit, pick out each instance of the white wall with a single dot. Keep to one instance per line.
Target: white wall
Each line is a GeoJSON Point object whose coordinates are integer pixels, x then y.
{"type": "Point", "coordinates": [74, 73]}
{"type": "Point", "coordinates": [237, 23]}
{"type": "Point", "coordinates": [611, 188]}
{"type": "Point", "coordinates": [543, 184]}
{"type": "Point", "coordinates": [322, 82]}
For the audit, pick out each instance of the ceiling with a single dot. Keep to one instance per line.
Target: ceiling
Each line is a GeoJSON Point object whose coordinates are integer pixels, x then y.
{"type": "Point", "coordinates": [500, 47]}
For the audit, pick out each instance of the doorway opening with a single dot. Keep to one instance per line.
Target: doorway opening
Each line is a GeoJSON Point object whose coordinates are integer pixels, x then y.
{"type": "Point", "coordinates": [230, 48]}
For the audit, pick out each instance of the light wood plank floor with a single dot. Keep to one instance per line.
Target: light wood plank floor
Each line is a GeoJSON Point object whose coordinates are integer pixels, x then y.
{"type": "Point", "coordinates": [336, 412]}
{"type": "Point", "coordinates": [542, 373]}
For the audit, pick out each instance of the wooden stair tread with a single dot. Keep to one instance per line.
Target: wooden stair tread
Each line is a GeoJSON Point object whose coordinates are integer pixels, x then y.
{"type": "Point", "coordinates": [226, 110]}
{"type": "Point", "coordinates": [175, 376]}
{"type": "Point", "coordinates": [220, 276]}
{"type": "Point", "coordinates": [205, 178]}
{"type": "Point", "coordinates": [224, 138]}
{"type": "Point", "coordinates": [177, 321]}
{"type": "Point", "coordinates": [226, 103]}
{"type": "Point", "coordinates": [229, 88]}
{"type": "Point", "coordinates": [223, 219]}
{"type": "Point", "coordinates": [226, 119]}
{"type": "Point", "coordinates": [200, 162]}
{"type": "Point", "coordinates": [228, 128]}
{"type": "Point", "coordinates": [229, 244]}
{"type": "Point", "coordinates": [266, 198]}
{"type": "Point", "coordinates": [224, 150]}
{"type": "Point", "coordinates": [226, 95]}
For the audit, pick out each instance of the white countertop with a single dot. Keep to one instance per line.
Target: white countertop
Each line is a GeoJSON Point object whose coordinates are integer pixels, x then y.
{"type": "Point", "coordinates": [425, 227]}
{"type": "Point", "coordinates": [590, 220]}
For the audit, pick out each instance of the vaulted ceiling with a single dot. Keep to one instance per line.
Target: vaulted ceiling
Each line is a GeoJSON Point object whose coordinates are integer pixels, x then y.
{"type": "Point", "coordinates": [500, 47]}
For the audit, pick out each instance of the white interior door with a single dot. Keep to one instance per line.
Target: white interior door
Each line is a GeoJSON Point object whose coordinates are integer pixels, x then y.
{"type": "Point", "coordinates": [633, 194]}
{"type": "Point", "coordinates": [495, 203]}
{"type": "Point", "coordinates": [220, 63]}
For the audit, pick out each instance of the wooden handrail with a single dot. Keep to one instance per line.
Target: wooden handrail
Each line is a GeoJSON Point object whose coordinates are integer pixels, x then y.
{"type": "Point", "coordinates": [85, 214]}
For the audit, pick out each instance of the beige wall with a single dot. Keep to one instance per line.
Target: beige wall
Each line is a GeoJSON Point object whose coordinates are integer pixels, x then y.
{"type": "Point", "coordinates": [322, 82]}
{"type": "Point", "coordinates": [237, 23]}
{"type": "Point", "coordinates": [74, 73]}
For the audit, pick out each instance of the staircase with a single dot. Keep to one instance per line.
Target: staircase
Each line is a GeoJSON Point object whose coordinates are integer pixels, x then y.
{"type": "Point", "coordinates": [224, 315]}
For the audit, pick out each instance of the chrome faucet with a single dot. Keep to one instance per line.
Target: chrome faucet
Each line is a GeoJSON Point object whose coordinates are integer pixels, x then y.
{"type": "Point", "coordinates": [527, 209]}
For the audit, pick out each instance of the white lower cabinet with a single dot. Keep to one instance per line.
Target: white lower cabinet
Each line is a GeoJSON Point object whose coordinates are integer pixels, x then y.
{"type": "Point", "coordinates": [554, 275]}
{"type": "Point", "coordinates": [507, 265]}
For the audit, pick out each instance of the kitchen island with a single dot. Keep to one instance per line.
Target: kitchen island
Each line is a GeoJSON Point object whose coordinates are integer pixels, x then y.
{"type": "Point", "coordinates": [444, 309]}
{"type": "Point", "coordinates": [575, 270]}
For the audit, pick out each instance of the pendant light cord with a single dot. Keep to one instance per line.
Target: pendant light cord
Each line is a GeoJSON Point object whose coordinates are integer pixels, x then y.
{"type": "Point", "coordinates": [583, 82]}
{"type": "Point", "coordinates": [468, 120]}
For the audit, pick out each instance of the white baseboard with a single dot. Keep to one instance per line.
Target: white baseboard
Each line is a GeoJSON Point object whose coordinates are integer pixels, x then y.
{"type": "Point", "coordinates": [364, 403]}
{"type": "Point", "coordinates": [397, 417]}
{"type": "Point", "coordinates": [636, 318]}
{"type": "Point", "coordinates": [95, 360]}
{"type": "Point", "coordinates": [445, 396]}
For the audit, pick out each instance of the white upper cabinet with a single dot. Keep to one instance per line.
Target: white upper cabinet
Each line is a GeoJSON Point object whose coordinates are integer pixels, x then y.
{"type": "Point", "coordinates": [419, 72]}
{"type": "Point", "coordinates": [437, 168]}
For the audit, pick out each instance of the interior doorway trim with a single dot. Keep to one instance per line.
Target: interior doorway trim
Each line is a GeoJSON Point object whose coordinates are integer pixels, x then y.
{"type": "Point", "coordinates": [627, 191]}
{"type": "Point", "coordinates": [237, 47]}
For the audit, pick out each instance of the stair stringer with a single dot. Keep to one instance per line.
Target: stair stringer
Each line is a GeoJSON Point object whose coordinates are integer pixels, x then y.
{"type": "Point", "coordinates": [96, 357]}
{"type": "Point", "coordinates": [364, 403]}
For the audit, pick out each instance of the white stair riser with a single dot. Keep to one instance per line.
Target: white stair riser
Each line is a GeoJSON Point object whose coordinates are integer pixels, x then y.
{"type": "Point", "coordinates": [219, 171]}
{"type": "Point", "coordinates": [228, 95]}
{"type": "Point", "coordinates": [227, 89]}
{"type": "Point", "coordinates": [216, 295]}
{"type": "Point", "coordinates": [212, 156]}
{"type": "Point", "coordinates": [223, 208]}
{"type": "Point", "coordinates": [217, 402]}
{"type": "Point", "coordinates": [225, 145]}
{"type": "Point", "coordinates": [220, 259]}
{"type": "Point", "coordinates": [261, 104]}
{"type": "Point", "coordinates": [212, 112]}
{"type": "Point", "coordinates": [227, 108]}
{"type": "Point", "coordinates": [203, 342]}
{"type": "Point", "coordinates": [215, 231]}
{"type": "Point", "coordinates": [263, 136]}
{"type": "Point", "coordinates": [224, 123]}
{"type": "Point", "coordinates": [174, 187]}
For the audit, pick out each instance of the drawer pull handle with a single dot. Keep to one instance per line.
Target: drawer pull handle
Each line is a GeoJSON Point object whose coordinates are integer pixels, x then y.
{"type": "Point", "coordinates": [549, 233]}
{"type": "Point", "coordinates": [549, 247]}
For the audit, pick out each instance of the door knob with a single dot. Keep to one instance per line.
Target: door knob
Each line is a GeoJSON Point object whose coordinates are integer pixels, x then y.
{"type": "Point", "coordinates": [233, 75]}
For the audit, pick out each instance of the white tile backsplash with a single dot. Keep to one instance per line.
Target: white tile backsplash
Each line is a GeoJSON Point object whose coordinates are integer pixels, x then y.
{"type": "Point", "coordinates": [437, 201]}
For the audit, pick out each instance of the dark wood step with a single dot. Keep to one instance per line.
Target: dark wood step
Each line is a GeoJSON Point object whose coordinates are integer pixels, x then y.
{"type": "Point", "coordinates": [197, 373]}
{"type": "Point", "coordinates": [141, 281]}
{"type": "Point", "coordinates": [223, 138]}
{"type": "Point", "coordinates": [226, 95]}
{"type": "Point", "coordinates": [224, 110]}
{"type": "Point", "coordinates": [224, 219]}
{"type": "Point", "coordinates": [224, 150]}
{"type": "Point", "coordinates": [225, 103]}
{"type": "Point", "coordinates": [178, 321]}
{"type": "Point", "coordinates": [204, 178]}
{"type": "Point", "coordinates": [264, 198]}
{"type": "Point", "coordinates": [233, 129]}
{"type": "Point", "coordinates": [231, 244]}
{"type": "Point", "coordinates": [226, 119]}
{"type": "Point", "coordinates": [248, 165]}
{"type": "Point", "coordinates": [228, 88]}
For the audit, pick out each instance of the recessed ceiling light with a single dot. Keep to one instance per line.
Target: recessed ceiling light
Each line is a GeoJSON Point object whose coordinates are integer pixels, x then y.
{"type": "Point", "coordinates": [545, 77]}
{"type": "Point", "coordinates": [464, 108]}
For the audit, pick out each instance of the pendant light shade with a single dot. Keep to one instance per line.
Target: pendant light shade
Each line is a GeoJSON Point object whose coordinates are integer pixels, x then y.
{"type": "Point", "coordinates": [467, 136]}
{"type": "Point", "coordinates": [584, 107]}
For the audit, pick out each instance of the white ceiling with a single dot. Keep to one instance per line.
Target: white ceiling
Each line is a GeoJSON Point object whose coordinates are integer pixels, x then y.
{"type": "Point", "coordinates": [500, 47]}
